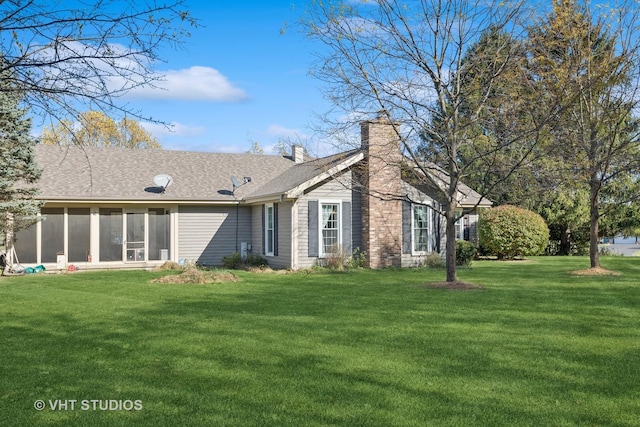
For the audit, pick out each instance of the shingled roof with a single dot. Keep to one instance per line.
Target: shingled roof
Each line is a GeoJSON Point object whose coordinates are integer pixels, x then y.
{"type": "Point", "coordinates": [305, 172]}
{"type": "Point", "coordinates": [125, 174]}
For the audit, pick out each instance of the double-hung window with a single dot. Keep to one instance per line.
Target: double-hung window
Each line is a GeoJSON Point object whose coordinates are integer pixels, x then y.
{"type": "Point", "coordinates": [420, 229]}
{"type": "Point", "coordinates": [330, 228]}
{"type": "Point", "coordinates": [269, 229]}
{"type": "Point", "coordinates": [462, 226]}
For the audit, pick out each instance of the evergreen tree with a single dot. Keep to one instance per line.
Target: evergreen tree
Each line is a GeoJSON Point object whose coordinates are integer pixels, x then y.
{"type": "Point", "coordinates": [592, 61]}
{"type": "Point", "coordinates": [18, 169]}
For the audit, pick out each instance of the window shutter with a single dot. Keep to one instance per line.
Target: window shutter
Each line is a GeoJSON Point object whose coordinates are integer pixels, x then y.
{"type": "Point", "coordinates": [263, 228]}
{"type": "Point", "coordinates": [275, 229]}
{"type": "Point", "coordinates": [314, 243]}
{"type": "Point", "coordinates": [346, 227]}
{"type": "Point", "coordinates": [406, 227]}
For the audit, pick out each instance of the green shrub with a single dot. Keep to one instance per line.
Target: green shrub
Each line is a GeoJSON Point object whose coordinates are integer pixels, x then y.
{"type": "Point", "coordinates": [465, 253]}
{"type": "Point", "coordinates": [358, 259]}
{"type": "Point", "coordinates": [232, 262]}
{"type": "Point", "coordinates": [235, 261]}
{"type": "Point", "coordinates": [255, 261]}
{"type": "Point", "coordinates": [433, 260]}
{"type": "Point", "coordinates": [509, 231]}
{"type": "Point", "coordinates": [340, 259]}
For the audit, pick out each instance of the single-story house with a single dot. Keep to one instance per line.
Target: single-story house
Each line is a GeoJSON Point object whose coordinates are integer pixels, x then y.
{"type": "Point", "coordinates": [102, 208]}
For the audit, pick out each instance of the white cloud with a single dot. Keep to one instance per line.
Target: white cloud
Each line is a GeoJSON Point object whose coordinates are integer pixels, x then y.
{"type": "Point", "coordinates": [173, 129]}
{"type": "Point", "coordinates": [283, 132]}
{"type": "Point", "coordinates": [127, 73]}
{"type": "Point", "coordinates": [196, 83]}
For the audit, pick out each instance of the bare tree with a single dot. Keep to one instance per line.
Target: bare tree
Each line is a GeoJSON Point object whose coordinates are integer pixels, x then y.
{"type": "Point", "coordinates": [90, 53]}
{"type": "Point", "coordinates": [406, 61]}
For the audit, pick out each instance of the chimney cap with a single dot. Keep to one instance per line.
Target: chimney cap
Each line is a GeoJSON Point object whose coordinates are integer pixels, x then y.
{"type": "Point", "coordinates": [382, 116]}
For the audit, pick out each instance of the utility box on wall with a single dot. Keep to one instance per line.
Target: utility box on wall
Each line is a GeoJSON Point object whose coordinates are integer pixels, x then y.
{"type": "Point", "coordinates": [60, 261]}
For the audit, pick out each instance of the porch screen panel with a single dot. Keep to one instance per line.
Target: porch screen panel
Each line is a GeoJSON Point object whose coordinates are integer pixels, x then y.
{"type": "Point", "coordinates": [79, 234]}
{"type": "Point", "coordinates": [25, 245]}
{"type": "Point", "coordinates": [135, 236]}
{"type": "Point", "coordinates": [52, 234]}
{"type": "Point", "coordinates": [158, 233]}
{"type": "Point", "coordinates": [110, 234]}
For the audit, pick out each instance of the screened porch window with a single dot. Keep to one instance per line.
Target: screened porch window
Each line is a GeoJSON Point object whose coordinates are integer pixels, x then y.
{"type": "Point", "coordinates": [52, 234]}
{"type": "Point", "coordinates": [25, 244]}
{"type": "Point", "coordinates": [79, 233]}
{"type": "Point", "coordinates": [110, 234]}
{"type": "Point", "coordinates": [158, 234]}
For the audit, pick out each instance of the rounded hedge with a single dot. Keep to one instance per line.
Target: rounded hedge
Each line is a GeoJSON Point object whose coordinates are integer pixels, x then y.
{"type": "Point", "coordinates": [509, 231]}
{"type": "Point", "coordinates": [465, 252]}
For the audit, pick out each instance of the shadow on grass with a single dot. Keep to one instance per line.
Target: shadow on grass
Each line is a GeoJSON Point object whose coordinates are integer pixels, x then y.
{"type": "Point", "coordinates": [310, 351]}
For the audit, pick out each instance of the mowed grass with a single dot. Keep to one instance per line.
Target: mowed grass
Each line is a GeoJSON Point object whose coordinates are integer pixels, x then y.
{"type": "Point", "coordinates": [536, 347]}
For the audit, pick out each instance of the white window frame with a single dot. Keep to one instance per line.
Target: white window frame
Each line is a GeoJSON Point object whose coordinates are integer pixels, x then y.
{"type": "Point", "coordinates": [429, 209]}
{"type": "Point", "coordinates": [321, 203]}
{"type": "Point", "coordinates": [269, 251]}
{"type": "Point", "coordinates": [459, 226]}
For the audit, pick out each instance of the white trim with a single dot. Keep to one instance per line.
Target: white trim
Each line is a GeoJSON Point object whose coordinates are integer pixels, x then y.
{"type": "Point", "coordinates": [65, 242]}
{"type": "Point", "coordinates": [294, 236]}
{"type": "Point", "coordinates": [174, 233]}
{"type": "Point", "coordinates": [94, 233]}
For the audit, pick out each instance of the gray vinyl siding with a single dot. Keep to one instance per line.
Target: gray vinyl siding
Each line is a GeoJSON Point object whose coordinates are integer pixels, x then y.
{"type": "Point", "coordinates": [256, 230]}
{"type": "Point", "coordinates": [283, 259]}
{"type": "Point", "coordinates": [418, 196]}
{"type": "Point", "coordinates": [334, 190]}
{"type": "Point", "coordinates": [208, 233]}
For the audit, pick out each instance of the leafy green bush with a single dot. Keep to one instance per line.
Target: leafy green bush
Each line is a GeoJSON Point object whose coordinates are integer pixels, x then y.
{"type": "Point", "coordinates": [433, 260]}
{"type": "Point", "coordinates": [465, 252]}
{"type": "Point", "coordinates": [235, 261]}
{"type": "Point", "coordinates": [340, 259]}
{"type": "Point", "coordinates": [358, 259]}
{"type": "Point", "coordinates": [509, 231]}
{"type": "Point", "coordinates": [232, 262]}
{"type": "Point", "coordinates": [255, 261]}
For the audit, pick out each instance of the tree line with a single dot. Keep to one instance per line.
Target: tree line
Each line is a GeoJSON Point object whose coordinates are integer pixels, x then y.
{"type": "Point", "coordinates": [527, 104]}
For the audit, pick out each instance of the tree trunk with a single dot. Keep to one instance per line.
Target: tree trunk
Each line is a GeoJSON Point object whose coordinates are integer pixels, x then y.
{"type": "Point", "coordinates": [565, 241]}
{"type": "Point", "coordinates": [450, 253]}
{"type": "Point", "coordinates": [594, 254]}
{"type": "Point", "coordinates": [9, 240]}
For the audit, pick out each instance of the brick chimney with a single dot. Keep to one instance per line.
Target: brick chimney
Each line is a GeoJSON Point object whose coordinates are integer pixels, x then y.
{"type": "Point", "coordinates": [381, 191]}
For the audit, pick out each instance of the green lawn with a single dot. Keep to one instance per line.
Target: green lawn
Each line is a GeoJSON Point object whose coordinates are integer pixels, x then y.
{"type": "Point", "coordinates": [536, 347]}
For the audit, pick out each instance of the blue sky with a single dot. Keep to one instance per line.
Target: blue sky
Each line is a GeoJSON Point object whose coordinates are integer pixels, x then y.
{"type": "Point", "coordinates": [237, 80]}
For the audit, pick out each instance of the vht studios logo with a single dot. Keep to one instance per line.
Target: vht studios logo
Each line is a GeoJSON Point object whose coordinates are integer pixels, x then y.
{"type": "Point", "coordinates": [88, 405]}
